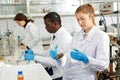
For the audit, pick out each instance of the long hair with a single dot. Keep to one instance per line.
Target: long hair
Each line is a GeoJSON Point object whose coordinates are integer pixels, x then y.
{"type": "Point", "coordinates": [21, 16]}
{"type": "Point", "coordinates": [87, 9]}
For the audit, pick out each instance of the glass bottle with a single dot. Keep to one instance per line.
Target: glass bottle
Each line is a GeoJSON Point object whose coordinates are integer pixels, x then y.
{"type": "Point", "coordinates": [19, 40]}
{"type": "Point", "coordinates": [20, 75]}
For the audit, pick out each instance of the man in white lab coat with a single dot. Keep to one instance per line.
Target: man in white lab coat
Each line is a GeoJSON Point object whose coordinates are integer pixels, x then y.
{"type": "Point", "coordinates": [60, 39]}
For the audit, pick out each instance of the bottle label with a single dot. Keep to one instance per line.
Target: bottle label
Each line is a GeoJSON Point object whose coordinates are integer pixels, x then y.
{"type": "Point", "coordinates": [20, 78]}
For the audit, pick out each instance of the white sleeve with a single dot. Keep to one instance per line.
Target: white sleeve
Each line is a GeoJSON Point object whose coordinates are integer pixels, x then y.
{"type": "Point", "coordinates": [102, 55]}
{"type": "Point", "coordinates": [48, 61]}
{"type": "Point", "coordinates": [65, 60]}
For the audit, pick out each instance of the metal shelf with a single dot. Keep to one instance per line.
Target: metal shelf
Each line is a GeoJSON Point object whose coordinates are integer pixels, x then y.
{"type": "Point", "coordinates": [1, 4]}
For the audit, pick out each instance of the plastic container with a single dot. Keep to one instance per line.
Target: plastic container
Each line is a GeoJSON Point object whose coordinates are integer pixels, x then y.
{"type": "Point", "coordinates": [19, 40]}
{"type": "Point", "coordinates": [20, 75]}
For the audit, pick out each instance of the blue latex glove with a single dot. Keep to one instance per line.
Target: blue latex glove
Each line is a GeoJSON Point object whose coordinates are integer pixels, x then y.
{"type": "Point", "coordinates": [78, 55]}
{"type": "Point", "coordinates": [53, 52]}
{"type": "Point", "coordinates": [28, 54]}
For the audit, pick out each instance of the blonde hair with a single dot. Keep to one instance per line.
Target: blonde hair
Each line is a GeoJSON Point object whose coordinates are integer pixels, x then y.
{"type": "Point", "coordinates": [87, 9]}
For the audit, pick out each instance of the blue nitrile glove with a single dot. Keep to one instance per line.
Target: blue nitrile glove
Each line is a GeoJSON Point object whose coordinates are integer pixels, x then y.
{"type": "Point", "coordinates": [53, 52]}
{"type": "Point", "coordinates": [28, 54]}
{"type": "Point", "coordinates": [78, 55]}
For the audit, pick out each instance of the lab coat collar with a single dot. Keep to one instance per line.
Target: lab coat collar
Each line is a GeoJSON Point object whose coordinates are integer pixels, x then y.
{"type": "Point", "coordinates": [59, 32]}
{"type": "Point", "coordinates": [89, 34]}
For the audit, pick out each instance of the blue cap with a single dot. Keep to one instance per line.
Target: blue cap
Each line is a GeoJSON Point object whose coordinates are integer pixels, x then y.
{"type": "Point", "coordinates": [20, 72]}
{"type": "Point", "coordinates": [18, 36]}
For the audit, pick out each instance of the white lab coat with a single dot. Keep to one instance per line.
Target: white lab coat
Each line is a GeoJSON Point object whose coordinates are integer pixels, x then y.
{"type": "Point", "coordinates": [31, 38]}
{"type": "Point", "coordinates": [63, 40]}
{"type": "Point", "coordinates": [96, 47]}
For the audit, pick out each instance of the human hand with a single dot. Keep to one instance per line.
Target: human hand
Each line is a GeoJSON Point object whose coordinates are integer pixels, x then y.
{"type": "Point", "coordinates": [78, 55]}
{"type": "Point", "coordinates": [28, 54]}
{"type": "Point", "coordinates": [53, 52]}
{"type": "Point", "coordinates": [23, 47]}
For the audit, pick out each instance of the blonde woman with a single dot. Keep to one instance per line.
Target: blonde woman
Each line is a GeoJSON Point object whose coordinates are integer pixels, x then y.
{"type": "Point", "coordinates": [89, 49]}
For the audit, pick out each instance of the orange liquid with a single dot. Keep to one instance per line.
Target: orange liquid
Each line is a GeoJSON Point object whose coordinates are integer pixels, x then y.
{"type": "Point", "coordinates": [20, 78]}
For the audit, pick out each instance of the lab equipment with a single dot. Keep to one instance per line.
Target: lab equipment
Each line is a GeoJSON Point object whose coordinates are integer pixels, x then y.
{"type": "Point", "coordinates": [78, 55]}
{"type": "Point", "coordinates": [28, 54]}
{"type": "Point", "coordinates": [19, 40]}
{"type": "Point", "coordinates": [8, 46]}
{"type": "Point", "coordinates": [20, 75]}
{"type": "Point", "coordinates": [1, 49]}
{"type": "Point", "coordinates": [108, 7]}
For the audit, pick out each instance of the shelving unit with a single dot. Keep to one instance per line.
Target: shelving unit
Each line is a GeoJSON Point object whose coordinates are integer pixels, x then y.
{"type": "Point", "coordinates": [35, 8]}
{"type": "Point", "coordinates": [9, 8]}
{"type": "Point", "coordinates": [96, 3]}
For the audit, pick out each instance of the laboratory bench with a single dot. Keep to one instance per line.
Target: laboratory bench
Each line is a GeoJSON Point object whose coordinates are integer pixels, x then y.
{"type": "Point", "coordinates": [11, 64]}
{"type": "Point", "coordinates": [30, 72]}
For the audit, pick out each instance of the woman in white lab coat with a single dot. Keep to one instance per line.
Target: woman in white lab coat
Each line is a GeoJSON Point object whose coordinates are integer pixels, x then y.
{"type": "Point", "coordinates": [31, 35]}
{"type": "Point", "coordinates": [89, 49]}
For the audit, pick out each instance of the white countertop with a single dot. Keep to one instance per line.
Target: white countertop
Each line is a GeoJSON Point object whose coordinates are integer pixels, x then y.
{"type": "Point", "coordinates": [10, 66]}
{"type": "Point", "coordinates": [30, 72]}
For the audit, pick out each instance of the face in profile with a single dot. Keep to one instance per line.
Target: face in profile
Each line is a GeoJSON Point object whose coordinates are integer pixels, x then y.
{"type": "Point", "coordinates": [20, 23]}
{"type": "Point", "coordinates": [49, 26]}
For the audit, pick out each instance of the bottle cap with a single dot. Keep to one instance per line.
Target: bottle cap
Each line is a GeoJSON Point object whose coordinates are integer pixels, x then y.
{"type": "Point", "coordinates": [20, 72]}
{"type": "Point", "coordinates": [18, 36]}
